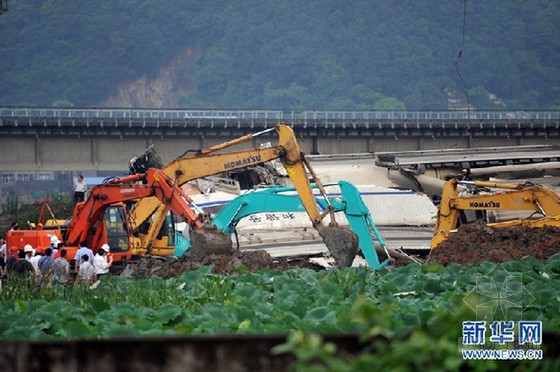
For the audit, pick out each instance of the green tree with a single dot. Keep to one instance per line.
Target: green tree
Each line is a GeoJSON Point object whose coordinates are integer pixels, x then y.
{"type": "Point", "coordinates": [317, 54]}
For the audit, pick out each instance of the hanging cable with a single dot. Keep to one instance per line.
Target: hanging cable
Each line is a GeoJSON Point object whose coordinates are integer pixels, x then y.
{"type": "Point", "coordinates": [458, 60]}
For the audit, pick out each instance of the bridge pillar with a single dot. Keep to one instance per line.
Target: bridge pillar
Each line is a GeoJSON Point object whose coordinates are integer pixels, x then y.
{"type": "Point", "coordinates": [94, 155]}
{"type": "Point", "coordinates": [314, 146]}
{"type": "Point", "coordinates": [337, 145]}
{"type": "Point", "coordinates": [37, 148]}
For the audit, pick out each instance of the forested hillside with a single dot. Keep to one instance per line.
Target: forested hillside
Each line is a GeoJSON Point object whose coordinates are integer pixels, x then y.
{"type": "Point", "coordinates": [315, 54]}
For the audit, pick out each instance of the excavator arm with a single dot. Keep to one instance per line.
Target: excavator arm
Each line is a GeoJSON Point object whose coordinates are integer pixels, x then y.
{"type": "Point", "coordinates": [88, 223]}
{"type": "Point", "coordinates": [528, 197]}
{"type": "Point", "coordinates": [157, 184]}
{"type": "Point", "coordinates": [279, 199]}
{"type": "Point", "coordinates": [208, 162]}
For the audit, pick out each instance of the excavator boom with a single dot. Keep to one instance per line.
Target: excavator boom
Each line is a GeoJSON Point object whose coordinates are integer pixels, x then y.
{"type": "Point", "coordinates": [282, 199]}
{"type": "Point", "coordinates": [208, 162]}
{"type": "Point", "coordinates": [88, 223]}
{"type": "Point", "coordinates": [87, 213]}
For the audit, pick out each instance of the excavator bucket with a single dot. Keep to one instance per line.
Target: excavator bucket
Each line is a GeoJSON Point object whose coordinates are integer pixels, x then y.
{"type": "Point", "coordinates": [209, 240]}
{"type": "Point", "coordinates": [141, 163]}
{"type": "Point", "coordinates": [342, 244]}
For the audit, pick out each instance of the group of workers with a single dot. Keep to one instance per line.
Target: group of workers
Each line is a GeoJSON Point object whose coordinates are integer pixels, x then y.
{"type": "Point", "coordinates": [51, 266]}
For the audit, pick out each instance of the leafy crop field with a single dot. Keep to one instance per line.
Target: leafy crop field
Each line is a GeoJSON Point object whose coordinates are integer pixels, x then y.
{"type": "Point", "coordinates": [404, 310]}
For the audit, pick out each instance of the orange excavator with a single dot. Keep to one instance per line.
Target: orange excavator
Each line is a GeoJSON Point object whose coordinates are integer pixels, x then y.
{"type": "Point", "coordinates": [102, 218]}
{"type": "Point", "coordinates": [122, 228]}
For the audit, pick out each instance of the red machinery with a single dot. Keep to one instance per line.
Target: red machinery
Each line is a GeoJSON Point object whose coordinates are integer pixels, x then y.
{"type": "Point", "coordinates": [103, 217]}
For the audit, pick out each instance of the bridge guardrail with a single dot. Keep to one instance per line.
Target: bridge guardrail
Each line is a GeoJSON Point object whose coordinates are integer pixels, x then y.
{"type": "Point", "coordinates": [279, 115]}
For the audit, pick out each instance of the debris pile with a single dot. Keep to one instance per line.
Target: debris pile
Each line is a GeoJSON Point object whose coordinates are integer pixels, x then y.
{"type": "Point", "coordinates": [225, 263]}
{"type": "Point", "coordinates": [472, 243]}
{"type": "Point", "coordinates": [477, 243]}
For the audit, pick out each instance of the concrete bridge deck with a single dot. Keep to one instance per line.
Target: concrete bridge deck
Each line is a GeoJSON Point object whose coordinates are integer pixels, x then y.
{"type": "Point", "coordinates": [94, 139]}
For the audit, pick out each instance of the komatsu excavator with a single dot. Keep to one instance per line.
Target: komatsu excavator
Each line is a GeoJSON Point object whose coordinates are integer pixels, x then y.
{"type": "Point", "coordinates": [536, 199]}
{"type": "Point", "coordinates": [342, 244]}
{"type": "Point", "coordinates": [102, 217]}
{"type": "Point", "coordinates": [282, 199]}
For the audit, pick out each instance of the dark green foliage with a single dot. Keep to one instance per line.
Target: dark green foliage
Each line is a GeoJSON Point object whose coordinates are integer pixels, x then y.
{"type": "Point", "coordinates": [285, 54]}
{"type": "Point", "coordinates": [10, 205]}
{"type": "Point", "coordinates": [11, 211]}
{"type": "Point", "coordinates": [428, 299]}
{"type": "Point", "coordinates": [410, 318]}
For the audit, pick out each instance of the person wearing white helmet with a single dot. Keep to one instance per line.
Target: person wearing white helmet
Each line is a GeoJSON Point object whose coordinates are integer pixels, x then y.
{"type": "Point", "coordinates": [54, 241]}
{"type": "Point", "coordinates": [102, 260]}
{"type": "Point", "coordinates": [54, 245]}
{"type": "Point", "coordinates": [29, 251]}
{"type": "Point", "coordinates": [22, 268]}
{"type": "Point", "coordinates": [33, 258]}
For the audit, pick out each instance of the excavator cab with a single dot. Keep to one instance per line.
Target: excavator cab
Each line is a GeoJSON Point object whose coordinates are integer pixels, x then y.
{"type": "Point", "coordinates": [112, 229]}
{"type": "Point", "coordinates": [166, 236]}
{"type": "Point", "coordinates": [103, 218]}
{"type": "Point", "coordinates": [117, 229]}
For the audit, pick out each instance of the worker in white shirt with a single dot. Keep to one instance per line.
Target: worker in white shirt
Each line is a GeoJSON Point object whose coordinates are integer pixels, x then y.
{"type": "Point", "coordinates": [80, 189]}
{"type": "Point", "coordinates": [102, 261]}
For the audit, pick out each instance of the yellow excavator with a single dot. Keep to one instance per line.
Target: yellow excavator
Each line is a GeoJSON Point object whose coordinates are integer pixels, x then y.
{"type": "Point", "coordinates": [342, 243]}
{"type": "Point", "coordinates": [542, 203]}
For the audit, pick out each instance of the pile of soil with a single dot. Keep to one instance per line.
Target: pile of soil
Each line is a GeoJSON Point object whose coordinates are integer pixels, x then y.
{"type": "Point", "coordinates": [473, 243]}
{"type": "Point", "coordinates": [477, 243]}
{"type": "Point", "coordinates": [399, 259]}
{"type": "Point", "coordinates": [225, 263]}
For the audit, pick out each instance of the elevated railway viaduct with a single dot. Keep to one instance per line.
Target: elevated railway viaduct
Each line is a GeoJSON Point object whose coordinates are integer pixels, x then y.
{"type": "Point", "coordinates": [92, 139]}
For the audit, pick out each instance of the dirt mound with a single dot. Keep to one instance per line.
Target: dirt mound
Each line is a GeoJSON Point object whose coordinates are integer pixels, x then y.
{"type": "Point", "coordinates": [221, 264]}
{"type": "Point", "coordinates": [477, 243]}
{"type": "Point", "coordinates": [210, 241]}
